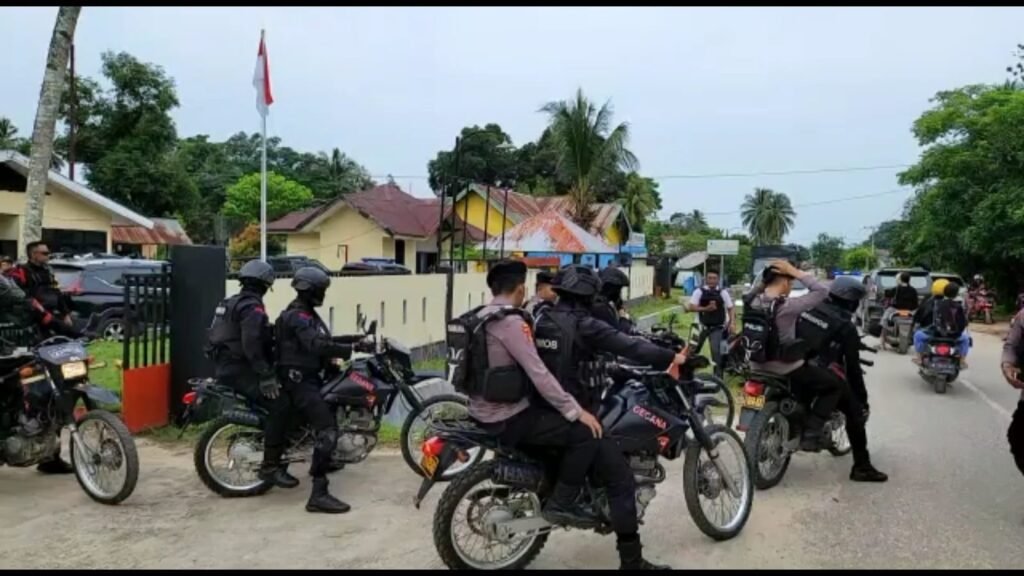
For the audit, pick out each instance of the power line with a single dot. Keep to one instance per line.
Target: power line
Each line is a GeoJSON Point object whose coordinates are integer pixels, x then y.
{"type": "Point", "coordinates": [823, 202]}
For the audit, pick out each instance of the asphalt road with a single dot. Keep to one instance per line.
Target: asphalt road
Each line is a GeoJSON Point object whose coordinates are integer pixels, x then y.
{"type": "Point", "coordinates": [954, 500]}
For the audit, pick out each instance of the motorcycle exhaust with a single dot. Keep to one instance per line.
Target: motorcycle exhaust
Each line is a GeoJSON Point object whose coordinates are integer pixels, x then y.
{"type": "Point", "coordinates": [244, 418]}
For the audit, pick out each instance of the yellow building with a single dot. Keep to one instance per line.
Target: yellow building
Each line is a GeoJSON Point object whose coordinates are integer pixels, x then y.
{"type": "Point", "coordinates": [75, 219]}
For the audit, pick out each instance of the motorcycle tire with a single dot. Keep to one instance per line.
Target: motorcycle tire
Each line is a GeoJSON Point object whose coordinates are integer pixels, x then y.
{"type": "Point", "coordinates": [448, 506]}
{"type": "Point", "coordinates": [722, 388]}
{"type": "Point", "coordinates": [752, 443]}
{"type": "Point", "coordinates": [199, 459]}
{"type": "Point", "coordinates": [129, 453]}
{"type": "Point", "coordinates": [692, 485]}
{"type": "Point", "coordinates": [411, 456]}
{"type": "Point", "coordinates": [940, 384]}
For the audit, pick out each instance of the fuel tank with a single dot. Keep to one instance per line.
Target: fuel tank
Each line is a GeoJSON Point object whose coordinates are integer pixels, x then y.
{"type": "Point", "coordinates": [356, 387]}
{"type": "Point", "coordinates": [633, 420]}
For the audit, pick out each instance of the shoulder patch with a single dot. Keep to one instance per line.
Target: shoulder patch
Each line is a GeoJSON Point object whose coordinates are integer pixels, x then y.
{"type": "Point", "coordinates": [527, 331]}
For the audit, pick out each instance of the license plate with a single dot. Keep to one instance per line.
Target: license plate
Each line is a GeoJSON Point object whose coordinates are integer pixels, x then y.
{"type": "Point", "coordinates": [753, 402]}
{"type": "Point", "coordinates": [429, 465]}
{"type": "Point", "coordinates": [74, 370]}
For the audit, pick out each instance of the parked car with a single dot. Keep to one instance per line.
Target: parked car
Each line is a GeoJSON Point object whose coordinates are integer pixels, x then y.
{"type": "Point", "coordinates": [290, 264]}
{"type": "Point", "coordinates": [95, 288]}
{"type": "Point", "coordinates": [869, 315]}
{"type": "Point", "coordinates": [382, 265]}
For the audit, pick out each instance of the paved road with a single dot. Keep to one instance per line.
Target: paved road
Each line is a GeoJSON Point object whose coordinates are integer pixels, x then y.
{"type": "Point", "coordinates": [954, 500]}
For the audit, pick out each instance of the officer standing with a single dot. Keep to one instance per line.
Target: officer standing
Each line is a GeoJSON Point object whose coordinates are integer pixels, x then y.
{"type": "Point", "coordinates": [609, 306]}
{"type": "Point", "coordinates": [715, 311]}
{"type": "Point", "coordinates": [569, 338]}
{"type": "Point", "coordinates": [241, 343]}
{"type": "Point", "coordinates": [1013, 355]}
{"type": "Point", "coordinates": [831, 337]}
{"type": "Point", "coordinates": [305, 347]}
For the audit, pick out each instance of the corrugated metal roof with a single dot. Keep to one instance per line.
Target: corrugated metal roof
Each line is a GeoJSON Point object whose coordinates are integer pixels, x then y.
{"type": "Point", "coordinates": [165, 232]}
{"type": "Point", "coordinates": [523, 206]}
{"type": "Point", "coordinates": [691, 260]}
{"type": "Point", "coordinates": [550, 232]}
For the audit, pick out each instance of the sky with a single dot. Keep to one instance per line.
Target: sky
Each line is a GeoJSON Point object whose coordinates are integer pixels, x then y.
{"type": "Point", "coordinates": [706, 91]}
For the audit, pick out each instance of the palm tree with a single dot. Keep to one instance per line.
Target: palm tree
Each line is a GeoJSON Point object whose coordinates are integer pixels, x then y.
{"type": "Point", "coordinates": [638, 200]}
{"type": "Point", "coordinates": [8, 134]}
{"type": "Point", "coordinates": [768, 216]}
{"type": "Point", "coordinates": [46, 120]}
{"type": "Point", "coordinates": [587, 145]}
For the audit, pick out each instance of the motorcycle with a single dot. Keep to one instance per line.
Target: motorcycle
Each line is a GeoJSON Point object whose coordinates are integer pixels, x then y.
{"type": "Point", "coordinates": [899, 333]}
{"type": "Point", "coordinates": [980, 305]}
{"type": "Point", "coordinates": [54, 378]}
{"type": "Point", "coordinates": [359, 393]}
{"type": "Point", "coordinates": [651, 416]}
{"type": "Point", "coordinates": [940, 365]}
{"type": "Point", "coordinates": [773, 415]}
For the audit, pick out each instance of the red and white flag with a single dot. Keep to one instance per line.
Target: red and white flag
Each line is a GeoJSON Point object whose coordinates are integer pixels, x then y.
{"type": "Point", "coordinates": [261, 80]}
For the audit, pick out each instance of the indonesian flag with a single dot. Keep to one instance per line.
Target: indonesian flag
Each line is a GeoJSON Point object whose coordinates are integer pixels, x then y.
{"type": "Point", "coordinates": [261, 80]}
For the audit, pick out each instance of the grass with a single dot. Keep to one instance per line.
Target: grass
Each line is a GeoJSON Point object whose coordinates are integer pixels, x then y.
{"type": "Point", "coordinates": [651, 305]}
{"type": "Point", "coordinates": [437, 364]}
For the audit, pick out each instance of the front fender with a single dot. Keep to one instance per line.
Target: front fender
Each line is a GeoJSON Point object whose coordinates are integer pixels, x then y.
{"type": "Point", "coordinates": [98, 394]}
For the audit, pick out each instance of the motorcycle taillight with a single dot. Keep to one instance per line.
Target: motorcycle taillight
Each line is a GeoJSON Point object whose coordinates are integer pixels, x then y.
{"type": "Point", "coordinates": [189, 398]}
{"type": "Point", "coordinates": [752, 388]}
{"type": "Point", "coordinates": [433, 446]}
{"type": "Point", "coordinates": [943, 350]}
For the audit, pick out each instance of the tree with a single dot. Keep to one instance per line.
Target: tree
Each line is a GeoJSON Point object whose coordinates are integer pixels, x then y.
{"type": "Point", "coordinates": [827, 252]}
{"type": "Point", "coordinates": [886, 236]}
{"type": "Point", "coordinates": [283, 196]}
{"type": "Point", "coordinates": [588, 147]}
{"type": "Point", "coordinates": [859, 258]}
{"type": "Point", "coordinates": [768, 216]}
{"type": "Point", "coordinates": [9, 139]}
{"type": "Point", "coordinates": [486, 156]}
{"type": "Point", "coordinates": [246, 246]}
{"type": "Point", "coordinates": [45, 125]}
{"type": "Point", "coordinates": [640, 199]}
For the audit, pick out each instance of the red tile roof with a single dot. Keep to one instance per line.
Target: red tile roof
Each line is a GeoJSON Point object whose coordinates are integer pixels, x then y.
{"type": "Point", "coordinates": [165, 232]}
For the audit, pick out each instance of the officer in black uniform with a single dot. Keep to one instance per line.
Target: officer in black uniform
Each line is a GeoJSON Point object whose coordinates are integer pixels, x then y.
{"type": "Point", "coordinates": [304, 347]}
{"type": "Point", "coordinates": [241, 343]}
{"type": "Point", "coordinates": [608, 305]}
{"type": "Point", "coordinates": [569, 339]}
{"type": "Point", "coordinates": [831, 337]}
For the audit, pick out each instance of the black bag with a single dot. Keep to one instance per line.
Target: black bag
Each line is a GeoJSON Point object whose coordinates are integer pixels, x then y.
{"type": "Point", "coordinates": [467, 355]}
{"type": "Point", "coordinates": [759, 335]}
{"type": "Point", "coordinates": [945, 323]}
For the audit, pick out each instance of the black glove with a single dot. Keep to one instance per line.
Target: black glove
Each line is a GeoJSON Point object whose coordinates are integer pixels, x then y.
{"type": "Point", "coordinates": [269, 387]}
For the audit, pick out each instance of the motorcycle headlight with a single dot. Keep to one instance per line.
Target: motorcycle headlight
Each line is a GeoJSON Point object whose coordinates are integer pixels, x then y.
{"type": "Point", "coordinates": [73, 370]}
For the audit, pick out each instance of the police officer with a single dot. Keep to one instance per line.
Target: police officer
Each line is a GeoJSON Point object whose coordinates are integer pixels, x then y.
{"type": "Point", "coordinates": [831, 337]}
{"type": "Point", "coordinates": [608, 304]}
{"type": "Point", "coordinates": [241, 343]}
{"type": "Point", "coordinates": [715, 309]}
{"type": "Point", "coordinates": [1012, 358]}
{"type": "Point", "coordinates": [50, 308]}
{"type": "Point", "coordinates": [305, 346]}
{"type": "Point", "coordinates": [568, 337]}
{"type": "Point", "coordinates": [543, 295]}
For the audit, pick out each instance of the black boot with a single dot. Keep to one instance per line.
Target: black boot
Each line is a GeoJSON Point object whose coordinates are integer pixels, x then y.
{"type": "Point", "coordinates": [55, 466]}
{"type": "Point", "coordinates": [563, 510]}
{"type": "Point", "coordinates": [813, 437]}
{"type": "Point", "coordinates": [278, 476]}
{"type": "Point", "coordinates": [631, 555]}
{"type": "Point", "coordinates": [322, 501]}
{"type": "Point", "coordinates": [865, 472]}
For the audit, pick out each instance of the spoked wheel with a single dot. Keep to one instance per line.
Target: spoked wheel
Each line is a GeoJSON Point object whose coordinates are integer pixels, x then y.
{"type": "Point", "coordinates": [723, 409]}
{"type": "Point", "coordinates": [839, 444]}
{"type": "Point", "coordinates": [228, 458]}
{"type": "Point", "coordinates": [104, 457]}
{"type": "Point", "coordinates": [719, 492]}
{"type": "Point", "coordinates": [466, 523]}
{"type": "Point", "coordinates": [765, 444]}
{"type": "Point", "coordinates": [418, 427]}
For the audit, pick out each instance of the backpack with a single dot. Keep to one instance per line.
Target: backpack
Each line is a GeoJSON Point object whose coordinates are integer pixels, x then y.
{"type": "Point", "coordinates": [467, 357]}
{"type": "Point", "coordinates": [760, 336]}
{"type": "Point", "coordinates": [944, 319]}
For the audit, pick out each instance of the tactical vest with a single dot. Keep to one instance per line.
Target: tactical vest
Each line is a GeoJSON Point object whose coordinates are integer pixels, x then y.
{"type": "Point", "coordinates": [820, 330]}
{"type": "Point", "coordinates": [717, 316]}
{"type": "Point", "coordinates": [605, 311]}
{"type": "Point", "coordinates": [472, 373]}
{"type": "Point", "coordinates": [569, 359]}
{"type": "Point", "coordinates": [224, 342]}
{"type": "Point", "coordinates": [290, 353]}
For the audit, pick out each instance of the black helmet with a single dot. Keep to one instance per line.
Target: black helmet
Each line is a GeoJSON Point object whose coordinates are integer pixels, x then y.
{"type": "Point", "coordinates": [848, 289]}
{"type": "Point", "coordinates": [256, 270]}
{"type": "Point", "coordinates": [312, 283]}
{"type": "Point", "coordinates": [613, 278]}
{"type": "Point", "coordinates": [577, 280]}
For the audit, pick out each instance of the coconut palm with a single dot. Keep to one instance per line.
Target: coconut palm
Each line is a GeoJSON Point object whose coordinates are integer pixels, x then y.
{"type": "Point", "coordinates": [46, 121]}
{"type": "Point", "coordinates": [768, 216]}
{"type": "Point", "coordinates": [8, 134]}
{"type": "Point", "coordinates": [638, 199]}
{"type": "Point", "coordinates": [587, 145]}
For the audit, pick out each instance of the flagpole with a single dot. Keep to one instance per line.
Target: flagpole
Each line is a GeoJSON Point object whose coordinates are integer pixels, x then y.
{"type": "Point", "coordinates": [263, 178]}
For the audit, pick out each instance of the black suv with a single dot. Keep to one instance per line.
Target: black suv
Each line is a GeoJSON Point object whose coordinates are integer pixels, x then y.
{"type": "Point", "coordinates": [869, 315]}
{"type": "Point", "coordinates": [291, 264]}
{"type": "Point", "coordinates": [95, 288]}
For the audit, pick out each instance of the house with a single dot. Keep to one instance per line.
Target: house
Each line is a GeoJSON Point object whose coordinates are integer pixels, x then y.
{"type": "Point", "coordinates": [552, 233]}
{"type": "Point", "coordinates": [382, 222]}
{"type": "Point", "coordinates": [75, 219]}
{"type": "Point", "coordinates": [143, 242]}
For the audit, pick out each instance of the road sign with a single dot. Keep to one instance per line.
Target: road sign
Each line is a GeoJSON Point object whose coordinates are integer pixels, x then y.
{"type": "Point", "coordinates": [723, 247]}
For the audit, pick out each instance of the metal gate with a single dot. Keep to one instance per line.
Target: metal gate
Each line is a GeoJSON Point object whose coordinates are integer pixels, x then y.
{"type": "Point", "coordinates": [147, 312]}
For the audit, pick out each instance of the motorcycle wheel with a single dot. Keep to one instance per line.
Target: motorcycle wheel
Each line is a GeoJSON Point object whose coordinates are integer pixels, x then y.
{"type": "Point", "coordinates": [114, 449]}
{"type": "Point", "coordinates": [503, 502]}
{"type": "Point", "coordinates": [715, 386]}
{"type": "Point", "coordinates": [417, 426]}
{"type": "Point", "coordinates": [703, 484]}
{"type": "Point", "coordinates": [764, 443]}
{"type": "Point", "coordinates": [244, 451]}
{"type": "Point", "coordinates": [940, 384]}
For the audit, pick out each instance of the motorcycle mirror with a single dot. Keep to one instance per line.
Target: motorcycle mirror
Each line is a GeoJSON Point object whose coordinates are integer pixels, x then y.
{"type": "Point", "coordinates": [372, 329]}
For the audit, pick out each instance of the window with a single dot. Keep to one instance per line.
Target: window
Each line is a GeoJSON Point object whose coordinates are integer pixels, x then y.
{"type": "Point", "coordinates": [400, 252]}
{"type": "Point", "coordinates": [75, 241]}
{"type": "Point", "coordinates": [112, 276]}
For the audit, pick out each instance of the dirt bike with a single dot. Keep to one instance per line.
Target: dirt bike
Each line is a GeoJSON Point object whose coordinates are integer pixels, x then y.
{"type": "Point", "coordinates": [54, 378]}
{"type": "Point", "coordinates": [980, 305]}
{"type": "Point", "coordinates": [652, 416]}
{"type": "Point", "coordinates": [773, 415]}
{"type": "Point", "coordinates": [940, 365]}
{"type": "Point", "coordinates": [360, 394]}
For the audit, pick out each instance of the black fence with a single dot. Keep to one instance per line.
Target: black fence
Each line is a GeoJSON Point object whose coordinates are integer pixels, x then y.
{"type": "Point", "coordinates": [147, 313]}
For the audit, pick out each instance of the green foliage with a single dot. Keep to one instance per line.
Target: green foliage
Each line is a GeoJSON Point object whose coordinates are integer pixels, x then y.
{"type": "Point", "coordinates": [768, 216]}
{"type": "Point", "coordinates": [640, 199]}
{"type": "Point", "coordinates": [827, 251]}
{"type": "Point", "coordinates": [859, 258]}
{"type": "Point", "coordinates": [283, 196]}
{"type": "Point", "coordinates": [486, 156]}
{"type": "Point", "coordinates": [246, 246]}
{"type": "Point", "coordinates": [9, 140]}
{"type": "Point", "coordinates": [886, 237]}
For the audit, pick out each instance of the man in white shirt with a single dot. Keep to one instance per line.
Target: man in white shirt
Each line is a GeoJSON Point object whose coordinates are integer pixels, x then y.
{"type": "Point", "coordinates": [715, 310]}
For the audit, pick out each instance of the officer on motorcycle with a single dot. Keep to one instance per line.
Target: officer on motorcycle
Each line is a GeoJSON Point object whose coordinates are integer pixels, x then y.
{"type": "Point", "coordinates": [50, 307]}
{"type": "Point", "coordinates": [569, 339]}
{"type": "Point", "coordinates": [1011, 364]}
{"type": "Point", "coordinates": [715, 309]}
{"type": "Point", "coordinates": [304, 348]}
{"type": "Point", "coordinates": [608, 305]}
{"type": "Point", "coordinates": [241, 344]}
{"type": "Point", "coordinates": [543, 295]}
{"type": "Point", "coordinates": [831, 337]}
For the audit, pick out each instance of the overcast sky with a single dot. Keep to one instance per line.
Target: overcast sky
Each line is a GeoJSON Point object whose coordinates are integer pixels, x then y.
{"type": "Point", "coordinates": [705, 90]}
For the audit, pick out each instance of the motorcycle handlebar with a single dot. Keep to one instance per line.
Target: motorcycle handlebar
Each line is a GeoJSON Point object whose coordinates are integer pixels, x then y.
{"type": "Point", "coordinates": [867, 363]}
